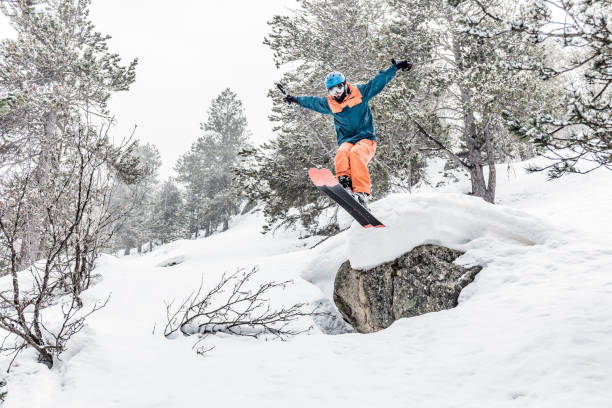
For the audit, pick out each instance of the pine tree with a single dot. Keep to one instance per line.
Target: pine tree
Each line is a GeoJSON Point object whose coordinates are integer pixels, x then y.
{"type": "Point", "coordinates": [168, 214]}
{"type": "Point", "coordinates": [321, 37]}
{"type": "Point", "coordinates": [469, 87]}
{"type": "Point", "coordinates": [134, 230]}
{"type": "Point", "coordinates": [577, 127]}
{"type": "Point", "coordinates": [59, 73]}
{"type": "Point", "coordinates": [207, 169]}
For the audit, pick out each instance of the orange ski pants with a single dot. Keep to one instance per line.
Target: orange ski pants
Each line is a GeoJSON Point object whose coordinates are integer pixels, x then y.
{"type": "Point", "coordinates": [352, 160]}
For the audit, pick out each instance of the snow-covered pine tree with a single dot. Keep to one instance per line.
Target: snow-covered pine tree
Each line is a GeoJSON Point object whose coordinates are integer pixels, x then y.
{"type": "Point", "coordinates": [228, 131]}
{"type": "Point", "coordinates": [577, 127]}
{"type": "Point", "coordinates": [169, 221]}
{"type": "Point", "coordinates": [58, 165]}
{"type": "Point", "coordinates": [320, 37]}
{"type": "Point", "coordinates": [191, 173]}
{"type": "Point", "coordinates": [469, 87]}
{"type": "Point", "coordinates": [57, 69]}
{"type": "Point", "coordinates": [135, 229]}
{"type": "Point", "coordinates": [207, 170]}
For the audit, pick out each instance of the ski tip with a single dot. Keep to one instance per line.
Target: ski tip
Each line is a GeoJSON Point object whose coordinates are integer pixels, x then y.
{"type": "Point", "coordinates": [379, 226]}
{"type": "Point", "coordinates": [322, 177]}
{"type": "Point", "coordinates": [368, 226]}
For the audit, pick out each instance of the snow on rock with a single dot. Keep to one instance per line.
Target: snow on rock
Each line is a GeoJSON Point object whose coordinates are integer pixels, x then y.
{"type": "Point", "coordinates": [451, 220]}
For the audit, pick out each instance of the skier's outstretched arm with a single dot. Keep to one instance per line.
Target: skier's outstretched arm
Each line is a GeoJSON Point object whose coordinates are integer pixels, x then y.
{"type": "Point", "coordinates": [314, 103]}
{"type": "Point", "coordinates": [310, 102]}
{"type": "Point", "coordinates": [371, 88]}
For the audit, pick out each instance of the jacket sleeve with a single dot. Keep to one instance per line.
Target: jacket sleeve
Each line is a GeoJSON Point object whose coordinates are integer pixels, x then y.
{"type": "Point", "coordinates": [316, 104]}
{"type": "Point", "coordinates": [375, 85]}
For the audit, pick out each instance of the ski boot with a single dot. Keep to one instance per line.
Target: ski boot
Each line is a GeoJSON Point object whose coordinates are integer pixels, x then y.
{"type": "Point", "coordinates": [347, 183]}
{"type": "Point", "coordinates": [362, 198]}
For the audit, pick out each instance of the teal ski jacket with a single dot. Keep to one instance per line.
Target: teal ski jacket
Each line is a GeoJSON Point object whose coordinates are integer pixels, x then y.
{"type": "Point", "coordinates": [352, 117]}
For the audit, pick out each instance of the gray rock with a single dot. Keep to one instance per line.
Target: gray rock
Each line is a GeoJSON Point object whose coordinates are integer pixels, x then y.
{"type": "Point", "coordinates": [421, 281]}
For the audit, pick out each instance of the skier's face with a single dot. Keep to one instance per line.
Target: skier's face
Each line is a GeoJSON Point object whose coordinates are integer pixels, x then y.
{"type": "Point", "coordinates": [336, 91]}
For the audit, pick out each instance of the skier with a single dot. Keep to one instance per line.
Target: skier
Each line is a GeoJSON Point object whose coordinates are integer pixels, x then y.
{"type": "Point", "coordinates": [348, 104]}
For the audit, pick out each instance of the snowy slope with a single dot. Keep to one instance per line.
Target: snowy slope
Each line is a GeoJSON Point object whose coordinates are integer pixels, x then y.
{"type": "Point", "coordinates": [532, 330]}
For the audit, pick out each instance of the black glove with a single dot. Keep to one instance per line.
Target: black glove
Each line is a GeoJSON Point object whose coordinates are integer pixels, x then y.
{"type": "Point", "coordinates": [290, 99]}
{"type": "Point", "coordinates": [403, 65]}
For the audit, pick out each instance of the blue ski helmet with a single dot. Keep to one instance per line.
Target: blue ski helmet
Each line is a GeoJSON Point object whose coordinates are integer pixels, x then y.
{"type": "Point", "coordinates": [334, 78]}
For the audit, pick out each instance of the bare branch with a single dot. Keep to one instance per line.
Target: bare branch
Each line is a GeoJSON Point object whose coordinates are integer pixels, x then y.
{"type": "Point", "coordinates": [243, 311]}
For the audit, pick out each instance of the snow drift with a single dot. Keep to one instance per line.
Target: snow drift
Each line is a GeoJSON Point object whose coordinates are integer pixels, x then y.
{"type": "Point", "coordinates": [451, 220]}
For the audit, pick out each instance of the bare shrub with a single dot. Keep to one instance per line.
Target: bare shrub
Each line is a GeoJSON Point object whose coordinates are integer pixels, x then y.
{"type": "Point", "coordinates": [232, 308]}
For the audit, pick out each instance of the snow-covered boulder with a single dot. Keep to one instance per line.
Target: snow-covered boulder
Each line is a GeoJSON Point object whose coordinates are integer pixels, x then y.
{"type": "Point", "coordinates": [421, 281]}
{"type": "Point", "coordinates": [397, 271]}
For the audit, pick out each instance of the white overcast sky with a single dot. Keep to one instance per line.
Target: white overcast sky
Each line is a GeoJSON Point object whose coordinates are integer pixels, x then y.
{"type": "Point", "coordinates": [189, 51]}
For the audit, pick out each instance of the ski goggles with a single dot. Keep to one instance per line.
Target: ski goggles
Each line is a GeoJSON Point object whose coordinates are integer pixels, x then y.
{"type": "Point", "coordinates": [336, 89]}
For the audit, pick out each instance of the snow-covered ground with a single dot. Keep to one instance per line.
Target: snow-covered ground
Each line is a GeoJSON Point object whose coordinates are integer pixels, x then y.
{"type": "Point", "coordinates": [534, 329]}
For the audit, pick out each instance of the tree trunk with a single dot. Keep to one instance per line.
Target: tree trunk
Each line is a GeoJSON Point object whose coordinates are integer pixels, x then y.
{"type": "Point", "coordinates": [42, 179]}
{"type": "Point", "coordinates": [474, 146]}
{"type": "Point", "coordinates": [490, 193]}
{"type": "Point", "coordinates": [46, 359]}
{"type": "Point", "coordinates": [207, 231]}
{"type": "Point", "coordinates": [475, 142]}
